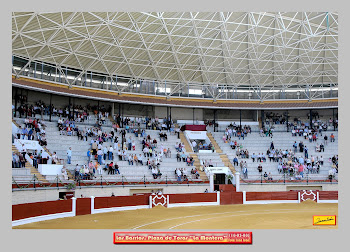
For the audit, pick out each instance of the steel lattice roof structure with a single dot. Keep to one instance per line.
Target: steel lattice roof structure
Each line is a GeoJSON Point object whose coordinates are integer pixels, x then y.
{"type": "Point", "coordinates": [211, 53]}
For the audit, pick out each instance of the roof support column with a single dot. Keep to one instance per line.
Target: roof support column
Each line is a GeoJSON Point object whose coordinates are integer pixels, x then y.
{"type": "Point", "coordinates": [73, 107]}
{"type": "Point", "coordinates": [310, 118]}
{"type": "Point", "coordinates": [69, 107]}
{"type": "Point", "coordinates": [16, 98]}
{"type": "Point", "coordinates": [170, 115]}
{"type": "Point", "coordinates": [193, 115]}
{"type": "Point", "coordinates": [333, 120]}
{"type": "Point", "coordinates": [287, 120]}
{"type": "Point", "coordinates": [50, 106]}
{"type": "Point", "coordinates": [167, 117]}
{"type": "Point", "coordinates": [214, 120]}
{"type": "Point", "coordinates": [240, 119]}
{"type": "Point", "coordinates": [262, 119]}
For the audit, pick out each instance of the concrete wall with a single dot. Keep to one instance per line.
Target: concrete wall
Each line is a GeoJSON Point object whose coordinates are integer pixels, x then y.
{"type": "Point", "coordinates": [229, 114]}
{"type": "Point", "coordinates": [134, 110]}
{"type": "Point", "coordinates": [23, 196]}
{"type": "Point", "coordinates": [186, 114]}
{"type": "Point", "coordinates": [59, 101]}
{"type": "Point", "coordinates": [179, 113]}
{"type": "Point", "coordinates": [324, 114]}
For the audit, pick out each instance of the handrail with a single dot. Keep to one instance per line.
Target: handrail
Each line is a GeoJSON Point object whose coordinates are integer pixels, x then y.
{"type": "Point", "coordinates": [31, 181]}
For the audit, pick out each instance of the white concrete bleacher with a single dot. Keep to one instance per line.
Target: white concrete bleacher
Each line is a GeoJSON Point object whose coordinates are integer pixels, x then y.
{"type": "Point", "coordinates": [253, 142]}
{"type": "Point", "coordinates": [21, 175]}
{"type": "Point", "coordinates": [60, 144]}
{"type": "Point", "coordinates": [282, 140]}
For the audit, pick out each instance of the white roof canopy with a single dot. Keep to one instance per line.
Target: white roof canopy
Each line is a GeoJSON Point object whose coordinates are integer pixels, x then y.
{"type": "Point", "coordinates": [232, 49]}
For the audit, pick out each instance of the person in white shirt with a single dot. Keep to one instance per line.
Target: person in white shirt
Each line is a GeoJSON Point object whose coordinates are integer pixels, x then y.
{"type": "Point", "coordinates": [194, 145]}
{"type": "Point", "coordinates": [130, 160]}
{"type": "Point", "coordinates": [140, 159]}
{"type": "Point", "coordinates": [99, 169]}
{"type": "Point", "coordinates": [178, 173]}
{"type": "Point", "coordinates": [105, 151]}
{"type": "Point", "coordinates": [146, 151]}
{"type": "Point", "coordinates": [64, 173]}
{"type": "Point", "coordinates": [116, 146]}
{"type": "Point", "coordinates": [110, 153]}
{"type": "Point", "coordinates": [99, 156]}
{"type": "Point", "coordinates": [69, 155]}
{"type": "Point", "coordinates": [54, 158]}
{"type": "Point", "coordinates": [154, 172]}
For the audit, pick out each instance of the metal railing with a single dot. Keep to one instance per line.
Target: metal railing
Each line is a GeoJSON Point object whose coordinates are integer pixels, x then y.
{"type": "Point", "coordinates": [26, 182]}
{"type": "Point", "coordinates": [287, 178]}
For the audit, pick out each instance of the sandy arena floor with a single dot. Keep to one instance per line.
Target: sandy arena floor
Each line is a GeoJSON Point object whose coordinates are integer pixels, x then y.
{"type": "Point", "coordinates": [271, 216]}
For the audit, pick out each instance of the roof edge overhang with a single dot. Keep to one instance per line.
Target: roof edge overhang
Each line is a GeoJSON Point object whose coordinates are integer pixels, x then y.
{"type": "Point", "coordinates": [156, 100]}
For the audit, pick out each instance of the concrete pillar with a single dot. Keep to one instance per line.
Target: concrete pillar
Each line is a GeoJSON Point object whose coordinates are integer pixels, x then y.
{"type": "Point", "coordinates": [50, 106]}
{"type": "Point", "coordinates": [112, 111]}
{"type": "Point", "coordinates": [98, 108]}
{"type": "Point", "coordinates": [287, 120]}
{"type": "Point", "coordinates": [193, 116]}
{"type": "Point", "coordinates": [74, 206]}
{"type": "Point", "coordinates": [310, 118]}
{"type": "Point", "coordinates": [211, 182]}
{"type": "Point", "coordinates": [237, 181]}
{"type": "Point", "coordinates": [262, 119]}
{"type": "Point", "coordinates": [240, 119]}
{"type": "Point", "coordinates": [73, 108]}
{"type": "Point", "coordinates": [16, 98]}
{"type": "Point", "coordinates": [214, 120]}
{"type": "Point", "coordinates": [92, 204]}
{"type": "Point", "coordinates": [150, 201]}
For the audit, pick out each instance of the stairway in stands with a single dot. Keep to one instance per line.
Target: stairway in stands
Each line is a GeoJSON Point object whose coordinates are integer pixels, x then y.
{"type": "Point", "coordinates": [223, 156]}
{"type": "Point", "coordinates": [186, 143]}
{"type": "Point", "coordinates": [197, 164]}
{"type": "Point", "coordinates": [33, 170]}
{"type": "Point", "coordinates": [212, 140]}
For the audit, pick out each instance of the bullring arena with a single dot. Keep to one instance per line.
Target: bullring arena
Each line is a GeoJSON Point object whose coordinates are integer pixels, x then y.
{"type": "Point", "coordinates": [174, 120]}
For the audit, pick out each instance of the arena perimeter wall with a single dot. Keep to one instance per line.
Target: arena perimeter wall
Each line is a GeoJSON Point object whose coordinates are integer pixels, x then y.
{"type": "Point", "coordinates": [40, 211]}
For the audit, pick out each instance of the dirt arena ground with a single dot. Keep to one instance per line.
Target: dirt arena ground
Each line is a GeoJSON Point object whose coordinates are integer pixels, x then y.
{"type": "Point", "coordinates": [271, 216]}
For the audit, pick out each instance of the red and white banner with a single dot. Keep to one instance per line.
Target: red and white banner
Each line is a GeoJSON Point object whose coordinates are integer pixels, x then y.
{"type": "Point", "coordinates": [182, 238]}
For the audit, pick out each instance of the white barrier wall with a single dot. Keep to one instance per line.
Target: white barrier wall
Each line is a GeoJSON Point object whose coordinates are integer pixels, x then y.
{"type": "Point", "coordinates": [50, 169]}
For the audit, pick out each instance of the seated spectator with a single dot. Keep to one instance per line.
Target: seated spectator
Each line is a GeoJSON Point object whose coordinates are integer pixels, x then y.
{"type": "Point", "coordinates": [265, 176]}
{"type": "Point", "coordinates": [154, 172]}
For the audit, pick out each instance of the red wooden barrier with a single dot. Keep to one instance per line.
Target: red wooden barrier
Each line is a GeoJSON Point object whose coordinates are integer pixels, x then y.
{"type": "Point", "coordinates": [190, 198]}
{"type": "Point", "coordinates": [331, 195]}
{"type": "Point", "coordinates": [83, 206]}
{"type": "Point", "coordinates": [291, 195]}
{"type": "Point", "coordinates": [120, 201]}
{"type": "Point", "coordinates": [228, 198]}
{"type": "Point", "coordinates": [22, 211]}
